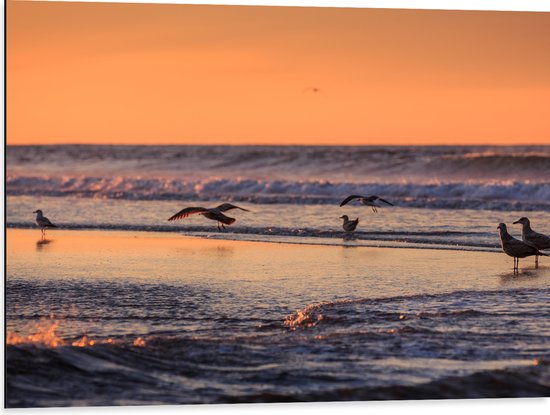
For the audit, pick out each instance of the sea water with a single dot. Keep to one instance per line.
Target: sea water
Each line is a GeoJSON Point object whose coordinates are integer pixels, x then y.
{"type": "Point", "coordinates": [321, 315]}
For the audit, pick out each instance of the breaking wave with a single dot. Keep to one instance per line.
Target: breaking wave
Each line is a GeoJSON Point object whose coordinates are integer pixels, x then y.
{"type": "Point", "coordinates": [453, 195]}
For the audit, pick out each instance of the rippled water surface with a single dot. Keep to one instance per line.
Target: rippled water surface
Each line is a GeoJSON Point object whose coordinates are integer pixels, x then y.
{"type": "Point", "coordinates": [100, 317]}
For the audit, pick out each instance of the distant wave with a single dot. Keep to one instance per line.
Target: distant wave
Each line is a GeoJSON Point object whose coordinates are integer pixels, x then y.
{"type": "Point", "coordinates": [354, 164]}
{"type": "Point", "coordinates": [506, 195]}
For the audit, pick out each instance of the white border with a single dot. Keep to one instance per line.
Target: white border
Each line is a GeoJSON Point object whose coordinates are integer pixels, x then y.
{"type": "Point", "coordinates": [447, 407]}
{"type": "Point", "coordinates": [516, 5]}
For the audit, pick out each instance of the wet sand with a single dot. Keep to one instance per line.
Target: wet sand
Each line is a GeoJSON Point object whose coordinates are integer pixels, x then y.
{"type": "Point", "coordinates": [142, 255]}
{"type": "Point", "coordinates": [325, 271]}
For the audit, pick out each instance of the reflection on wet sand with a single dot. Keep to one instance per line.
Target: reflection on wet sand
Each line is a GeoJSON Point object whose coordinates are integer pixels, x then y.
{"type": "Point", "coordinates": [349, 237]}
{"type": "Point", "coordinates": [512, 278]}
{"type": "Point", "coordinates": [373, 271]}
{"type": "Point", "coordinates": [42, 242]}
{"type": "Point", "coordinates": [216, 251]}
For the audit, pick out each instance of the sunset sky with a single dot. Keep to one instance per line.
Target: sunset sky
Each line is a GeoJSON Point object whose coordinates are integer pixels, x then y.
{"type": "Point", "coordinates": [184, 74]}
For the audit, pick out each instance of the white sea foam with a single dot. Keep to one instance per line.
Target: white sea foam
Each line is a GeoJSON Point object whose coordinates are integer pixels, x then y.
{"type": "Point", "coordinates": [450, 195]}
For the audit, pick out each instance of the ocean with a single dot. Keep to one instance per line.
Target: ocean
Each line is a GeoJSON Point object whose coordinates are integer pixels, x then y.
{"type": "Point", "coordinates": [119, 306]}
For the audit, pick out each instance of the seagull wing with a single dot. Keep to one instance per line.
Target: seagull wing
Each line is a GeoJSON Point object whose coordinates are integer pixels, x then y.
{"type": "Point", "coordinates": [45, 222]}
{"type": "Point", "coordinates": [48, 223]}
{"type": "Point", "coordinates": [349, 199]}
{"type": "Point", "coordinates": [385, 201]}
{"type": "Point", "coordinates": [187, 212]}
{"type": "Point", "coordinates": [538, 240]}
{"type": "Point", "coordinates": [228, 206]}
{"type": "Point", "coordinates": [520, 249]}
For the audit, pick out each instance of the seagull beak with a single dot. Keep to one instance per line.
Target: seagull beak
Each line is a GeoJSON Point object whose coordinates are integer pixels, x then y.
{"type": "Point", "coordinates": [516, 222]}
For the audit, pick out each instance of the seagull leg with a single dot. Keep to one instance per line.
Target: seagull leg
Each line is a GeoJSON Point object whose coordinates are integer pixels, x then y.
{"type": "Point", "coordinates": [536, 261]}
{"type": "Point", "coordinates": [223, 226]}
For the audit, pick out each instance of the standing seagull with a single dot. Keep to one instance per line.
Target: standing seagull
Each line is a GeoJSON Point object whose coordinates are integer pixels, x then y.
{"type": "Point", "coordinates": [349, 225]}
{"type": "Point", "coordinates": [514, 247]}
{"type": "Point", "coordinates": [530, 237]}
{"type": "Point", "coordinates": [366, 200]}
{"type": "Point", "coordinates": [43, 222]}
{"type": "Point", "coordinates": [213, 213]}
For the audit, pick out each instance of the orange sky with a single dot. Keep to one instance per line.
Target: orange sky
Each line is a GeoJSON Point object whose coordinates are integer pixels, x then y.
{"type": "Point", "coordinates": [183, 74]}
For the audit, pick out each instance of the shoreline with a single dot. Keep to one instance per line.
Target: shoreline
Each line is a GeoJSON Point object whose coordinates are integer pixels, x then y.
{"type": "Point", "coordinates": [266, 237]}
{"type": "Point", "coordinates": [73, 249]}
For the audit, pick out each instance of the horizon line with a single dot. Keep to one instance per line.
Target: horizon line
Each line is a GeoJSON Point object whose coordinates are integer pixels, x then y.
{"type": "Point", "coordinates": [280, 145]}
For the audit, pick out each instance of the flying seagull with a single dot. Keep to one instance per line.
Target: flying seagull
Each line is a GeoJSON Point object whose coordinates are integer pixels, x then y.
{"type": "Point", "coordinates": [349, 225]}
{"type": "Point", "coordinates": [514, 247]}
{"type": "Point", "coordinates": [43, 222]}
{"type": "Point", "coordinates": [313, 89]}
{"type": "Point", "coordinates": [213, 214]}
{"type": "Point", "coordinates": [366, 200]}
{"type": "Point", "coordinates": [535, 239]}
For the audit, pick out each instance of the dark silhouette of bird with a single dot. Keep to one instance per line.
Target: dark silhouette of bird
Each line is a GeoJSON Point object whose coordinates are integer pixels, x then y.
{"type": "Point", "coordinates": [210, 213]}
{"type": "Point", "coordinates": [514, 247]}
{"type": "Point", "coordinates": [43, 222]}
{"type": "Point", "coordinates": [312, 89]}
{"type": "Point", "coordinates": [530, 237]}
{"type": "Point", "coordinates": [366, 200]}
{"type": "Point", "coordinates": [349, 225]}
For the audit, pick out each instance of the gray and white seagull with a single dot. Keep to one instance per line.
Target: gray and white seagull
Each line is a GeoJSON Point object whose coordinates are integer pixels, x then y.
{"type": "Point", "coordinates": [366, 200]}
{"type": "Point", "coordinates": [514, 247]}
{"type": "Point", "coordinates": [210, 213]}
{"type": "Point", "coordinates": [349, 225]}
{"type": "Point", "coordinates": [43, 222]}
{"type": "Point", "coordinates": [535, 239]}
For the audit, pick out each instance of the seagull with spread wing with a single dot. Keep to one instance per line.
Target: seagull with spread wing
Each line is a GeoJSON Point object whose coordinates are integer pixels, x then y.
{"type": "Point", "coordinates": [213, 214]}
{"type": "Point", "coordinates": [366, 200]}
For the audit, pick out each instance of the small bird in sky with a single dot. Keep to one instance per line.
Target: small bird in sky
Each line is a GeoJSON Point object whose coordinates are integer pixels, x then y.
{"type": "Point", "coordinates": [312, 89]}
{"type": "Point", "coordinates": [210, 213]}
